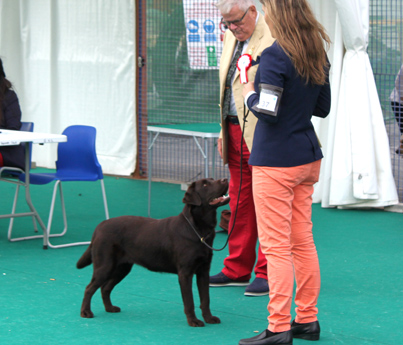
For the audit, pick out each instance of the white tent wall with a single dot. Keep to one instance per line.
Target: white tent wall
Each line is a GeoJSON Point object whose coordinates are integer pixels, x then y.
{"type": "Point", "coordinates": [326, 13]}
{"type": "Point", "coordinates": [72, 62]}
{"type": "Point", "coordinates": [356, 170]}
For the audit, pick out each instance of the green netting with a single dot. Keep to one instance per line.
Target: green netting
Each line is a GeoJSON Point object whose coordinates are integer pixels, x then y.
{"type": "Point", "coordinates": [176, 92]}
{"type": "Point", "coordinates": [385, 53]}
{"type": "Point", "coordinates": [384, 48]}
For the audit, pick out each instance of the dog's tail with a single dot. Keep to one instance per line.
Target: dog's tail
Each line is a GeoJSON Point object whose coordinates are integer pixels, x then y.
{"type": "Point", "coordinates": [86, 259]}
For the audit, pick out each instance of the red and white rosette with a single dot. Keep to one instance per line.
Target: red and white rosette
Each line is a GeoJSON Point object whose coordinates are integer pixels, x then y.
{"type": "Point", "coordinates": [243, 64]}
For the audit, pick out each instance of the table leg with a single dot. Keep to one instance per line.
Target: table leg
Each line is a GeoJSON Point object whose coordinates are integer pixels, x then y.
{"type": "Point", "coordinates": [204, 154]}
{"type": "Point", "coordinates": [206, 169]}
{"type": "Point", "coordinates": [28, 196]}
{"type": "Point", "coordinates": [151, 140]}
{"type": "Point", "coordinates": [213, 159]}
{"type": "Point", "coordinates": [150, 150]}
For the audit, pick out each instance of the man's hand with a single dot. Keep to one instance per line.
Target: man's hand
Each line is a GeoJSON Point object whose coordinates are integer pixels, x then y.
{"type": "Point", "coordinates": [219, 146]}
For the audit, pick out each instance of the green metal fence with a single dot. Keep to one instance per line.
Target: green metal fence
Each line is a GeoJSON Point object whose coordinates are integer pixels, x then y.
{"type": "Point", "coordinates": [385, 53]}
{"type": "Point", "coordinates": [177, 93]}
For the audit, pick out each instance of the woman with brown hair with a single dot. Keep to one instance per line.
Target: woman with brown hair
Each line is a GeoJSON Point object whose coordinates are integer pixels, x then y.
{"type": "Point", "coordinates": [291, 85]}
{"type": "Point", "coordinates": [10, 118]}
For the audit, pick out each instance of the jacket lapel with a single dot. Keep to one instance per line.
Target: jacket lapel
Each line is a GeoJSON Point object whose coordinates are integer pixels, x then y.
{"type": "Point", "coordinates": [255, 41]}
{"type": "Point", "coordinates": [226, 57]}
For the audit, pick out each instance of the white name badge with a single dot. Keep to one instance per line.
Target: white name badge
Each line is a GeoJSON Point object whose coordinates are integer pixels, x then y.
{"type": "Point", "coordinates": [269, 99]}
{"type": "Point", "coordinates": [267, 102]}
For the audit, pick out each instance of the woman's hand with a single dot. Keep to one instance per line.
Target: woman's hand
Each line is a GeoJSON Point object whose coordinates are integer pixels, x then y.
{"type": "Point", "coordinates": [248, 88]}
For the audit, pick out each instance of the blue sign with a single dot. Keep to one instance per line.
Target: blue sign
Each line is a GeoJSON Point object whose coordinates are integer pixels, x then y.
{"type": "Point", "coordinates": [210, 38]}
{"type": "Point", "coordinates": [194, 38]}
{"type": "Point", "coordinates": [209, 26]}
{"type": "Point", "coordinates": [193, 26]}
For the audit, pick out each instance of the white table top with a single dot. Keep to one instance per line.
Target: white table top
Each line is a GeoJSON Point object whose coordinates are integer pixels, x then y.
{"type": "Point", "coordinates": [202, 130]}
{"type": "Point", "coordinates": [9, 137]}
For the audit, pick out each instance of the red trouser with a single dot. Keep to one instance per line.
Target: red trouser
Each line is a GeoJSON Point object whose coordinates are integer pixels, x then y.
{"type": "Point", "coordinates": [242, 242]}
{"type": "Point", "coordinates": [283, 200]}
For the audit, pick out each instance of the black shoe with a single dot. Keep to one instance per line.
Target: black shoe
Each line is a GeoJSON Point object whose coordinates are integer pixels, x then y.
{"type": "Point", "coordinates": [269, 338]}
{"type": "Point", "coordinates": [221, 279]}
{"type": "Point", "coordinates": [307, 331]}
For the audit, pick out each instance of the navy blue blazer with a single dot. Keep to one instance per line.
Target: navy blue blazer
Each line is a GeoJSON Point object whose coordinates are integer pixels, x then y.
{"type": "Point", "coordinates": [288, 139]}
{"type": "Point", "coordinates": [13, 156]}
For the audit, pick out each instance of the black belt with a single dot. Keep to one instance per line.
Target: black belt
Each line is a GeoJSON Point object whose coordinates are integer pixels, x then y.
{"type": "Point", "coordinates": [233, 119]}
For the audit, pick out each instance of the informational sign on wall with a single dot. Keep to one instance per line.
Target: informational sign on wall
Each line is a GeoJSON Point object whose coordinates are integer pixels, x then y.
{"type": "Point", "coordinates": [204, 33]}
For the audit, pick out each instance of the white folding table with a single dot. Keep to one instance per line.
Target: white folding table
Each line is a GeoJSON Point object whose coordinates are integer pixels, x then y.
{"type": "Point", "coordinates": [205, 131]}
{"type": "Point", "coordinates": [8, 138]}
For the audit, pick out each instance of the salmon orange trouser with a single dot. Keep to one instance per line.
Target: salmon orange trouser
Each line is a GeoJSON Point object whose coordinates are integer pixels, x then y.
{"type": "Point", "coordinates": [283, 204]}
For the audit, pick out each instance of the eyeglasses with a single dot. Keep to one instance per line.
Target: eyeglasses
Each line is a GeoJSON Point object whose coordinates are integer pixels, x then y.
{"type": "Point", "coordinates": [233, 22]}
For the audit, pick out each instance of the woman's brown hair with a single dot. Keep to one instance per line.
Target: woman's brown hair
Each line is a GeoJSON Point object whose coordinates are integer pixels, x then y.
{"type": "Point", "coordinates": [301, 36]}
{"type": "Point", "coordinates": [4, 86]}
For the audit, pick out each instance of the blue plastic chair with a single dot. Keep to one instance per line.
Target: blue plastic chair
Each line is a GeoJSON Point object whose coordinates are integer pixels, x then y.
{"type": "Point", "coordinates": [76, 161]}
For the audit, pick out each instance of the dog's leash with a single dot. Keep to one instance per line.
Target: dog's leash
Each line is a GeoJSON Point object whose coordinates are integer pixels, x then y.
{"type": "Point", "coordinates": [202, 239]}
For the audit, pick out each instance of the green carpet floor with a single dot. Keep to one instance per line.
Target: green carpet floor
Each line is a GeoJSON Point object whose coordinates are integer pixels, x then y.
{"type": "Point", "coordinates": [360, 251]}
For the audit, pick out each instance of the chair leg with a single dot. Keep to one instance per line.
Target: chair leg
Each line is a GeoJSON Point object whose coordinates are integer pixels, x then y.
{"type": "Point", "coordinates": [104, 197]}
{"type": "Point", "coordinates": [10, 228]}
{"type": "Point", "coordinates": [49, 226]}
{"type": "Point", "coordinates": [52, 208]}
{"type": "Point", "coordinates": [11, 223]}
{"type": "Point", "coordinates": [59, 184]}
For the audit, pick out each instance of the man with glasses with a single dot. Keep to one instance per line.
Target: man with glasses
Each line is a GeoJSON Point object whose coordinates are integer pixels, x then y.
{"type": "Point", "coordinates": [247, 34]}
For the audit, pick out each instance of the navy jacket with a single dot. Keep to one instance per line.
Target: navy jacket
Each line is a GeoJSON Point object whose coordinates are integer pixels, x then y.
{"type": "Point", "coordinates": [13, 156]}
{"type": "Point", "coordinates": [288, 139]}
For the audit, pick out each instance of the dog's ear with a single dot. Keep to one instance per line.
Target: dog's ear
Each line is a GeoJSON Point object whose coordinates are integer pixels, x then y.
{"type": "Point", "coordinates": [191, 197]}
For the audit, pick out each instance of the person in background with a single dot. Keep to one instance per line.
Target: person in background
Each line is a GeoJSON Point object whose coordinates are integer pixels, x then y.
{"type": "Point", "coordinates": [247, 33]}
{"type": "Point", "coordinates": [396, 101]}
{"type": "Point", "coordinates": [10, 118]}
{"type": "Point", "coordinates": [291, 85]}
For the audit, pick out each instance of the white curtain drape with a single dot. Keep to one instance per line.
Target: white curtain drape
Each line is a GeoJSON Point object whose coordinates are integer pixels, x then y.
{"type": "Point", "coordinates": [72, 62]}
{"type": "Point", "coordinates": [356, 171]}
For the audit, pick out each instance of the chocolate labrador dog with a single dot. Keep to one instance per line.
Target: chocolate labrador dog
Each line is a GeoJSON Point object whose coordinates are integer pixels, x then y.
{"type": "Point", "coordinates": [174, 245]}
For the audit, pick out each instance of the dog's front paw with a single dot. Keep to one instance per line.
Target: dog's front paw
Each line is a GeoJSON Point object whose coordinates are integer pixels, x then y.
{"type": "Point", "coordinates": [212, 319]}
{"type": "Point", "coordinates": [87, 314]}
{"type": "Point", "coordinates": [194, 322]}
{"type": "Point", "coordinates": [113, 309]}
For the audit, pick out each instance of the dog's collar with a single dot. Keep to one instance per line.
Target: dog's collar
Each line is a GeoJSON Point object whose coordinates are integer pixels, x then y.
{"type": "Point", "coordinates": [202, 239]}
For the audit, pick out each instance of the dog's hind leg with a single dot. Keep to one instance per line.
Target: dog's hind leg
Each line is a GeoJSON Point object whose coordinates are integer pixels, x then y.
{"type": "Point", "coordinates": [185, 282]}
{"type": "Point", "coordinates": [99, 277]}
{"type": "Point", "coordinates": [202, 278]}
{"type": "Point", "coordinates": [86, 305]}
{"type": "Point", "coordinates": [119, 274]}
